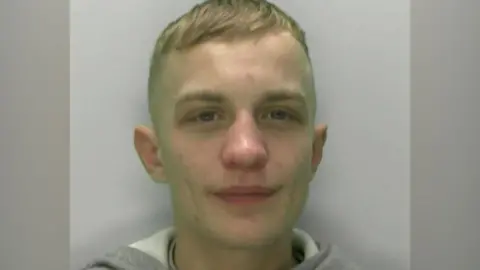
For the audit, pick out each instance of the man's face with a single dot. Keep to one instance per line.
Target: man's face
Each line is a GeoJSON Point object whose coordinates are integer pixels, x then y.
{"type": "Point", "coordinates": [235, 138]}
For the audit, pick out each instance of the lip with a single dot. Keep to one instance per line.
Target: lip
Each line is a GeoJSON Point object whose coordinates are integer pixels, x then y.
{"type": "Point", "coordinates": [245, 194]}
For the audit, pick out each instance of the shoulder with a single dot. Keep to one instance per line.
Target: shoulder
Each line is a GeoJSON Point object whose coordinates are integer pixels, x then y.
{"type": "Point", "coordinates": [148, 253]}
{"type": "Point", "coordinates": [330, 257]}
{"type": "Point", "coordinates": [124, 258]}
{"type": "Point", "coordinates": [320, 255]}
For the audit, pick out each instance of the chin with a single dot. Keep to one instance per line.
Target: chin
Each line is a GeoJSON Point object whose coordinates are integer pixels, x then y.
{"type": "Point", "coordinates": [247, 235]}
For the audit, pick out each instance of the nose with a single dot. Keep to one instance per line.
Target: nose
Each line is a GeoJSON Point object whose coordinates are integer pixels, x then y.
{"type": "Point", "coordinates": [244, 147]}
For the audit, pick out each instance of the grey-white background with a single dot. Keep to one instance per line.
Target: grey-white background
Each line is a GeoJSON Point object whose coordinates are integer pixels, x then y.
{"type": "Point", "coordinates": [34, 145]}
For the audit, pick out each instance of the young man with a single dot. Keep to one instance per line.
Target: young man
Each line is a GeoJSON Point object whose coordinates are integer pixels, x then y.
{"type": "Point", "coordinates": [232, 101]}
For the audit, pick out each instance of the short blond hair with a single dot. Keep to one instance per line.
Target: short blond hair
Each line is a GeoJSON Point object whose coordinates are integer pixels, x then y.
{"type": "Point", "coordinates": [219, 19]}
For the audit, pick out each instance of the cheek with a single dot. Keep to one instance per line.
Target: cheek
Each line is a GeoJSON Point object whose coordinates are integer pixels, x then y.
{"type": "Point", "coordinates": [195, 148]}
{"type": "Point", "coordinates": [293, 170]}
{"type": "Point", "coordinates": [186, 190]}
{"type": "Point", "coordinates": [198, 155]}
{"type": "Point", "coordinates": [292, 160]}
{"type": "Point", "coordinates": [192, 162]}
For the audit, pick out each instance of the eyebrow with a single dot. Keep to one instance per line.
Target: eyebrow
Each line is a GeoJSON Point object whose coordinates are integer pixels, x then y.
{"type": "Point", "coordinates": [201, 95]}
{"type": "Point", "coordinates": [215, 96]}
{"type": "Point", "coordinates": [282, 95]}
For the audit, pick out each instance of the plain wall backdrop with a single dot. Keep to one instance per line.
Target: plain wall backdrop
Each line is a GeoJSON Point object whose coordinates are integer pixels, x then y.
{"type": "Point", "coordinates": [360, 199]}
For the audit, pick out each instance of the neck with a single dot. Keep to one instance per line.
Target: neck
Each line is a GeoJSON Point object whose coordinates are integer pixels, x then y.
{"type": "Point", "coordinates": [193, 253]}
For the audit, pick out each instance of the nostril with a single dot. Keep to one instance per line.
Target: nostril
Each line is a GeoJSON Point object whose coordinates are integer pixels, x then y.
{"type": "Point", "coordinates": [245, 158]}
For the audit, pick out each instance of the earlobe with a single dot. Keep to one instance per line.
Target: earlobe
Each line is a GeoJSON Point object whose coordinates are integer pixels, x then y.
{"type": "Point", "coordinates": [320, 138]}
{"type": "Point", "coordinates": [146, 145]}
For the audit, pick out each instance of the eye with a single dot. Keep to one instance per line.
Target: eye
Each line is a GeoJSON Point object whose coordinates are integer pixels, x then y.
{"type": "Point", "coordinates": [207, 116]}
{"type": "Point", "coordinates": [278, 115]}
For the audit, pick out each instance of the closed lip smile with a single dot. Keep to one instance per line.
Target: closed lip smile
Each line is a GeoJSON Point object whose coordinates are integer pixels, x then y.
{"type": "Point", "coordinates": [245, 194]}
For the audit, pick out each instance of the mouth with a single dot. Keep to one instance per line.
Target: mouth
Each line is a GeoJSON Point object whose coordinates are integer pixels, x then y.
{"type": "Point", "coordinates": [245, 195]}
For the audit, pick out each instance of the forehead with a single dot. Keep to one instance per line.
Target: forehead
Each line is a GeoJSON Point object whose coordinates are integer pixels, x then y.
{"type": "Point", "coordinates": [245, 67]}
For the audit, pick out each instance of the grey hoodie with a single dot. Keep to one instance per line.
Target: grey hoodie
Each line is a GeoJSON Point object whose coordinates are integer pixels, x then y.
{"type": "Point", "coordinates": [155, 253]}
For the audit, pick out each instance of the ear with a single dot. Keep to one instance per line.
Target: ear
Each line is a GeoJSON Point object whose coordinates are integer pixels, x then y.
{"type": "Point", "coordinates": [320, 137]}
{"type": "Point", "coordinates": [146, 145]}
